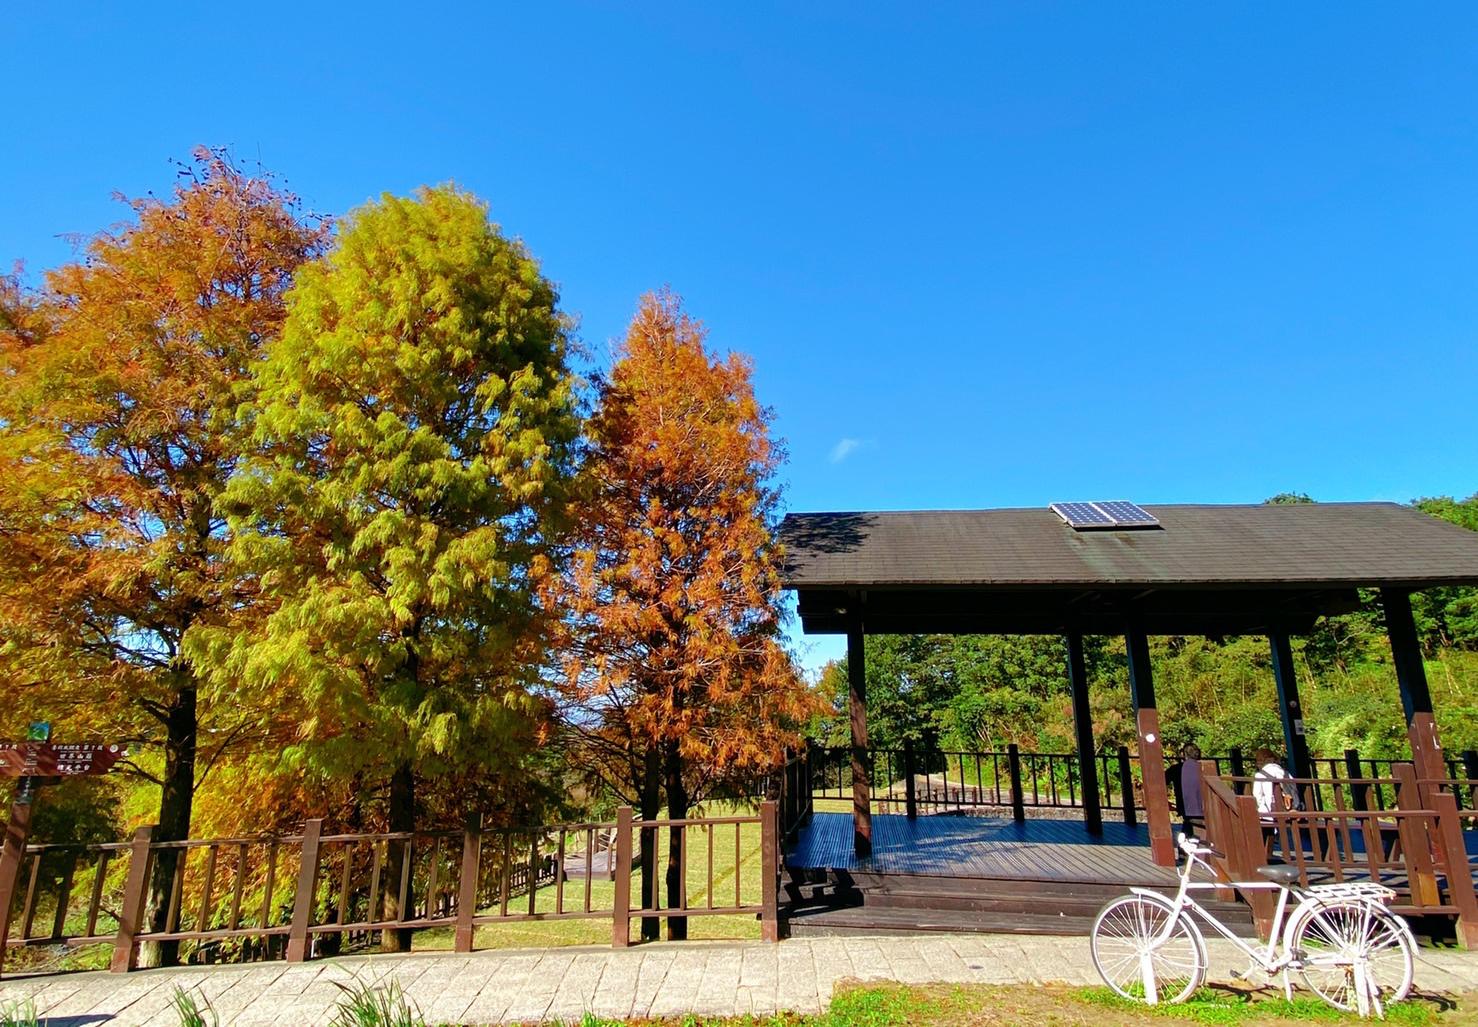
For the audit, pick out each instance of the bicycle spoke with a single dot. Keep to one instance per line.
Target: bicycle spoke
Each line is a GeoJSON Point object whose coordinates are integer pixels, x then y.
{"type": "Point", "coordinates": [1352, 947]}
{"type": "Point", "coordinates": [1145, 951]}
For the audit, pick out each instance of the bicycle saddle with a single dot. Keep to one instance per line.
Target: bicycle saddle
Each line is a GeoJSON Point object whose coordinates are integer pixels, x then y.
{"type": "Point", "coordinates": [1279, 874]}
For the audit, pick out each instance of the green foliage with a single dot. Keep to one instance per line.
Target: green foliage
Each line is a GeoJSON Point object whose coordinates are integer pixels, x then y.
{"type": "Point", "coordinates": [79, 811]}
{"type": "Point", "coordinates": [188, 1009]}
{"type": "Point", "coordinates": [365, 1006]}
{"type": "Point", "coordinates": [414, 427]}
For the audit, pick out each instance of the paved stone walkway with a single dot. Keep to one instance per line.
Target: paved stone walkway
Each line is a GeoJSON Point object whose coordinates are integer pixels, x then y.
{"type": "Point", "coordinates": [663, 979]}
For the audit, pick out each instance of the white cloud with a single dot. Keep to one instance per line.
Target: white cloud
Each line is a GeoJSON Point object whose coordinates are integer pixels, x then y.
{"type": "Point", "coordinates": [844, 449]}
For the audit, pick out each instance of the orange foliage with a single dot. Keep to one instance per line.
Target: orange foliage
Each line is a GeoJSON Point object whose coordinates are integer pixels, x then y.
{"type": "Point", "coordinates": [119, 382]}
{"type": "Point", "coordinates": [673, 629]}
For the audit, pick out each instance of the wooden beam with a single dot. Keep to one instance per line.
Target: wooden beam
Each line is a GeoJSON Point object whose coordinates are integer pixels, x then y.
{"type": "Point", "coordinates": [1151, 750]}
{"type": "Point", "coordinates": [1290, 710]}
{"type": "Point", "coordinates": [1077, 673]}
{"type": "Point", "coordinates": [1411, 676]}
{"type": "Point", "coordinates": [857, 710]}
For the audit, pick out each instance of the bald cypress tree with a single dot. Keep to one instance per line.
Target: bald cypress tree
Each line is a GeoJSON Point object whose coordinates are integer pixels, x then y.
{"type": "Point", "coordinates": [415, 426]}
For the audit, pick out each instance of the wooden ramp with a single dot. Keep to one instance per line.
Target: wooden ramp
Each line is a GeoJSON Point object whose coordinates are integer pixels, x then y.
{"type": "Point", "coordinates": [967, 873]}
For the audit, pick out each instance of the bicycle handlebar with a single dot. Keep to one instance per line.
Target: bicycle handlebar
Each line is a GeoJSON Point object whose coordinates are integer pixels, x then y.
{"type": "Point", "coordinates": [1191, 847]}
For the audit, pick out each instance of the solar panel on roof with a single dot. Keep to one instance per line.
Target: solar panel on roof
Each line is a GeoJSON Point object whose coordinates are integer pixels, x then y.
{"type": "Point", "coordinates": [1128, 515]}
{"type": "Point", "coordinates": [1082, 515]}
{"type": "Point", "coordinates": [1105, 514]}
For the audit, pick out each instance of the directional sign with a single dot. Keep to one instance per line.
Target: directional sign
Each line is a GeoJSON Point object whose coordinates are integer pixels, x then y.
{"type": "Point", "coordinates": [57, 759]}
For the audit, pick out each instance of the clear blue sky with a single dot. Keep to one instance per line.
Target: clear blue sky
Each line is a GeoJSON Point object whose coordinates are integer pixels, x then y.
{"type": "Point", "coordinates": [990, 256]}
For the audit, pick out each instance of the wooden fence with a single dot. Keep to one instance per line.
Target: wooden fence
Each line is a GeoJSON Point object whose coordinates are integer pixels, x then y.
{"type": "Point", "coordinates": [1412, 842]}
{"type": "Point", "coordinates": [933, 780]}
{"type": "Point", "coordinates": [295, 896]}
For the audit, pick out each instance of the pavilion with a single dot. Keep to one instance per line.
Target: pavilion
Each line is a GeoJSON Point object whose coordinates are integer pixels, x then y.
{"type": "Point", "coordinates": [1185, 569]}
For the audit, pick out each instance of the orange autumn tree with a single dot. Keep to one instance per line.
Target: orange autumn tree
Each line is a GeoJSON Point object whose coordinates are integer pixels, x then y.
{"type": "Point", "coordinates": [674, 669]}
{"type": "Point", "coordinates": [119, 382]}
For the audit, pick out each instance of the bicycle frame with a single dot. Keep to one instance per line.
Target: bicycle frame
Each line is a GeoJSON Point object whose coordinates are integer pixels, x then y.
{"type": "Point", "coordinates": [1280, 954]}
{"type": "Point", "coordinates": [1266, 957]}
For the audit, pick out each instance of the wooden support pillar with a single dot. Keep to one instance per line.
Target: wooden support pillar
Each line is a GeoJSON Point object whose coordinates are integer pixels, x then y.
{"type": "Point", "coordinates": [1295, 742]}
{"type": "Point", "coordinates": [13, 859]}
{"type": "Point", "coordinates": [1411, 675]}
{"type": "Point", "coordinates": [857, 710]}
{"type": "Point", "coordinates": [1077, 673]}
{"type": "Point", "coordinates": [1151, 751]}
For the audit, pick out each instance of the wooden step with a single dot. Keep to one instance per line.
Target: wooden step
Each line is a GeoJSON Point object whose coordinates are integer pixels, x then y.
{"type": "Point", "coordinates": [898, 920]}
{"type": "Point", "coordinates": [872, 920]}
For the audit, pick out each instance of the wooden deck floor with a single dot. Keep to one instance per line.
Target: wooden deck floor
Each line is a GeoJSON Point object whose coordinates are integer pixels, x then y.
{"type": "Point", "coordinates": [983, 847]}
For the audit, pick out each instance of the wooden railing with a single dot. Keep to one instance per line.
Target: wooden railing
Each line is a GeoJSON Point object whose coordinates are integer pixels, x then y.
{"type": "Point", "coordinates": [910, 780]}
{"type": "Point", "coordinates": [794, 794]}
{"type": "Point", "coordinates": [294, 896]}
{"type": "Point", "coordinates": [1413, 845]}
{"type": "Point", "coordinates": [913, 780]}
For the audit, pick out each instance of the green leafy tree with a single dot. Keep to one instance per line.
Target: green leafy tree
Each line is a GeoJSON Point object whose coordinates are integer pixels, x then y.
{"type": "Point", "coordinates": [415, 425]}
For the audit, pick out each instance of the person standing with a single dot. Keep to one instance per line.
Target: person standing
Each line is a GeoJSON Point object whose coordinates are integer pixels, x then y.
{"type": "Point", "coordinates": [1192, 812]}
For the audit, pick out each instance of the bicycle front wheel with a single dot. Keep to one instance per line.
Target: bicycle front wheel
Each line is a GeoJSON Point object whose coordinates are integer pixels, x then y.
{"type": "Point", "coordinates": [1347, 946]}
{"type": "Point", "coordinates": [1148, 951]}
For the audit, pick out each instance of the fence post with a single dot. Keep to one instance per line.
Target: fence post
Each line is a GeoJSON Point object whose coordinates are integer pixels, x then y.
{"type": "Point", "coordinates": [1415, 840]}
{"type": "Point", "coordinates": [1460, 891]}
{"type": "Point", "coordinates": [1470, 771]}
{"type": "Point", "coordinates": [297, 932]}
{"type": "Point", "coordinates": [12, 859]}
{"type": "Point", "coordinates": [770, 872]}
{"type": "Point", "coordinates": [910, 795]}
{"type": "Point", "coordinates": [1359, 794]}
{"type": "Point", "coordinates": [135, 898]}
{"type": "Point", "coordinates": [1126, 787]}
{"type": "Point", "coordinates": [1239, 769]}
{"type": "Point", "coordinates": [1251, 855]}
{"type": "Point", "coordinates": [1018, 801]}
{"type": "Point", "coordinates": [467, 881]}
{"type": "Point", "coordinates": [621, 913]}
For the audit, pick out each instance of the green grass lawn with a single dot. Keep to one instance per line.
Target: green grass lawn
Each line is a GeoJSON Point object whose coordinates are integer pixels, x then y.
{"type": "Point", "coordinates": [989, 1006]}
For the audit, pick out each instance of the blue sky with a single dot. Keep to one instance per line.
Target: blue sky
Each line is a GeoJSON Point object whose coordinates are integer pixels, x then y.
{"type": "Point", "coordinates": [989, 255]}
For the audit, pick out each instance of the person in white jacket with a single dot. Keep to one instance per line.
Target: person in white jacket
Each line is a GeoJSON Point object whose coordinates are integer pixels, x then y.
{"type": "Point", "coordinates": [1269, 785]}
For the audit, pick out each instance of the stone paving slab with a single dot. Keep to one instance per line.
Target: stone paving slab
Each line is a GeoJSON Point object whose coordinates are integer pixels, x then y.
{"type": "Point", "coordinates": [660, 979]}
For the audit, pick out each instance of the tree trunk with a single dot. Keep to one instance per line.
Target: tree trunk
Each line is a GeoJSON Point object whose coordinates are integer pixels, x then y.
{"type": "Point", "coordinates": [177, 796]}
{"type": "Point", "coordinates": [651, 809]}
{"type": "Point", "coordinates": [402, 813]}
{"type": "Point", "coordinates": [677, 809]}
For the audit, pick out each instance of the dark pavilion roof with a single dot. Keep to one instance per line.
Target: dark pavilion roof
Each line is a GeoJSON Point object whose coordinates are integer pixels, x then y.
{"type": "Point", "coordinates": [1207, 569]}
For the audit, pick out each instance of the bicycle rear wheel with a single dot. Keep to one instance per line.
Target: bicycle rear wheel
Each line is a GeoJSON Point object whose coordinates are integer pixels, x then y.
{"type": "Point", "coordinates": [1148, 951]}
{"type": "Point", "coordinates": [1347, 946]}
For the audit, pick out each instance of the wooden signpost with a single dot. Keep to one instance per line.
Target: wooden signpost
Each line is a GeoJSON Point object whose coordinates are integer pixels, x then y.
{"type": "Point", "coordinates": [57, 760]}
{"type": "Point", "coordinates": [36, 762]}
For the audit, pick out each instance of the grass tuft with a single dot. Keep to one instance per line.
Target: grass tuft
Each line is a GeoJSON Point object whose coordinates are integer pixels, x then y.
{"type": "Point", "coordinates": [364, 1006]}
{"type": "Point", "coordinates": [188, 1009]}
{"type": "Point", "coordinates": [19, 1013]}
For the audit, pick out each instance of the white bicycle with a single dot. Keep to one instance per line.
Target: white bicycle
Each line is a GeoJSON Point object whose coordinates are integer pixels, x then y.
{"type": "Point", "coordinates": [1350, 949]}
